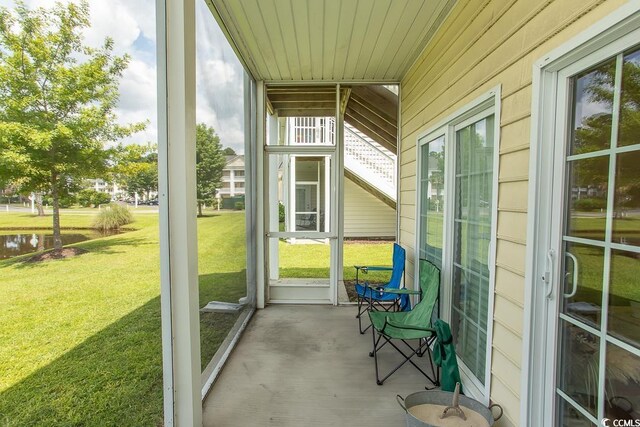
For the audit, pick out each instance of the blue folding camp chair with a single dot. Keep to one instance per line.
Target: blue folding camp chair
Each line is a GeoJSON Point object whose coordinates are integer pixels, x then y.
{"type": "Point", "coordinates": [373, 297]}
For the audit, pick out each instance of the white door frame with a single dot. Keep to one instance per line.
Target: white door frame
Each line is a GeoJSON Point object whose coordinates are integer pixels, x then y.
{"type": "Point", "coordinates": [483, 106]}
{"type": "Point", "coordinates": [614, 32]}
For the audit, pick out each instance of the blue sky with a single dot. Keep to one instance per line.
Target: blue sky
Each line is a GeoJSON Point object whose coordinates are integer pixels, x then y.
{"type": "Point", "coordinates": [219, 75]}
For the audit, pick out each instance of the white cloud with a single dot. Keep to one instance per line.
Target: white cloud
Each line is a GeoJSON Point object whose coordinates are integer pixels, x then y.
{"type": "Point", "coordinates": [219, 76]}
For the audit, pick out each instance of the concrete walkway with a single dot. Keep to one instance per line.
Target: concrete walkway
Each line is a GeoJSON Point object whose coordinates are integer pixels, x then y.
{"type": "Point", "coordinates": [308, 366]}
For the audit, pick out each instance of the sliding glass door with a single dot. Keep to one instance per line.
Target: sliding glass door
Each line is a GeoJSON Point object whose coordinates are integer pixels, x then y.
{"type": "Point", "coordinates": [471, 239]}
{"type": "Point", "coordinates": [457, 211]}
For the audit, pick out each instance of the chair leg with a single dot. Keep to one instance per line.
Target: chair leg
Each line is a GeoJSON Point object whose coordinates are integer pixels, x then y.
{"type": "Point", "coordinates": [375, 354]}
{"type": "Point", "coordinates": [407, 358]}
{"type": "Point", "coordinates": [361, 311]}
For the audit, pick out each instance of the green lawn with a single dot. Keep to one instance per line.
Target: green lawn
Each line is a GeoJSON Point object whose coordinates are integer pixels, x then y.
{"type": "Point", "coordinates": [80, 338]}
{"type": "Point", "coordinates": [312, 260]}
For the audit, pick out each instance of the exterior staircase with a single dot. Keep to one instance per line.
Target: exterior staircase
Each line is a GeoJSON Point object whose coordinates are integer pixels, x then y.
{"type": "Point", "coordinates": [367, 163]}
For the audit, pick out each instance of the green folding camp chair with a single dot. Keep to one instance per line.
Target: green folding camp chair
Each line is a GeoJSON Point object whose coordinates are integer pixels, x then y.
{"type": "Point", "coordinates": [406, 326]}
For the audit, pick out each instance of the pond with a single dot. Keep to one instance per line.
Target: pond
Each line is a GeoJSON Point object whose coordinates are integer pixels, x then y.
{"type": "Point", "coordinates": [28, 241]}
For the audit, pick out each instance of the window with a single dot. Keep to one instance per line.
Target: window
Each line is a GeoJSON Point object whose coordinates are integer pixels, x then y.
{"type": "Point", "coordinates": [456, 227]}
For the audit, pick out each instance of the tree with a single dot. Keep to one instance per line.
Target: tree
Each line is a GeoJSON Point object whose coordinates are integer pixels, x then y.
{"type": "Point", "coordinates": [57, 101]}
{"type": "Point", "coordinates": [209, 164]}
{"type": "Point", "coordinates": [137, 169]}
{"type": "Point", "coordinates": [594, 133]}
{"type": "Point", "coordinates": [228, 151]}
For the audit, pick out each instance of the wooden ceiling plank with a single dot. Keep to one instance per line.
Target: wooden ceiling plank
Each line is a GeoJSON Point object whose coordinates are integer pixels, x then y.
{"type": "Point", "coordinates": [238, 23]}
{"type": "Point", "coordinates": [316, 39]}
{"type": "Point", "coordinates": [300, 99]}
{"type": "Point", "coordinates": [363, 16]}
{"type": "Point", "coordinates": [432, 16]}
{"type": "Point", "coordinates": [382, 129]}
{"type": "Point", "coordinates": [306, 105]}
{"type": "Point", "coordinates": [349, 19]}
{"type": "Point", "coordinates": [274, 36]}
{"type": "Point", "coordinates": [389, 26]}
{"type": "Point", "coordinates": [289, 37]}
{"type": "Point", "coordinates": [367, 110]}
{"type": "Point", "coordinates": [301, 22]}
{"type": "Point", "coordinates": [306, 112]}
{"type": "Point", "coordinates": [407, 18]}
{"type": "Point", "coordinates": [336, 40]}
{"type": "Point", "coordinates": [410, 16]}
{"type": "Point", "coordinates": [256, 26]}
{"type": "Point", "coordinates": [330, 33]}
{"type": "Point", "coordinates": [378, 99]}
{"type": "Point", "coordinates": [372, 34]}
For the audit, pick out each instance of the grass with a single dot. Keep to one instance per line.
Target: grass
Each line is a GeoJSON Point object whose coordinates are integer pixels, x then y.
{"type": "Point", "coordinates": [80, 338]}
{"type": "Point", "coordinates": [312, 261]}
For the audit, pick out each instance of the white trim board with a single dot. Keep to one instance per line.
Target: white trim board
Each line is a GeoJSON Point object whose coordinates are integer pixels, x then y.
{"type": "Point", "coordinates": [486, 104]}
{"type": "Point", "coordinates": [607, 32]}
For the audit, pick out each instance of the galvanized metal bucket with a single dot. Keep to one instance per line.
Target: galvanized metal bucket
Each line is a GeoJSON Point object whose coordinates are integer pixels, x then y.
{"type": "Point", "coordinates": [438, 397]}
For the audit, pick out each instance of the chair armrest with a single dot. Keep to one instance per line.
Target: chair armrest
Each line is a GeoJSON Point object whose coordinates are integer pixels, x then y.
{"type": "Point", "coordinates": [403, 291]}
{"type": "Point", "coordinates": [366, 268]}
{"type": "Point", "coordinates": [390, 322]}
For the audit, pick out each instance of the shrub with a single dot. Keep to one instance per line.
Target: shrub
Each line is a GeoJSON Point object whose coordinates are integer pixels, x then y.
{"type": "Point", "coordinates": [101, 198]}
{"type": "Point", "coordinates": [589, 204]}
{"type": "Point", "coordinates": [113, 217]}
{"type": "Point", "coordinates": [239, 206]}
{"type": "Point", "coordinates": [65, 201]}
{"type": "Point", "coordinates": [281, 215]}
{"type": "Point", "coordinates": [90, 197]}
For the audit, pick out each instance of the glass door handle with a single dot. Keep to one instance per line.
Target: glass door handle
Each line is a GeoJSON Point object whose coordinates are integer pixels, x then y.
{"type": "Point", "coordinates": [548, 274]}
{"type": "Point", "coordinates": [574, 278]}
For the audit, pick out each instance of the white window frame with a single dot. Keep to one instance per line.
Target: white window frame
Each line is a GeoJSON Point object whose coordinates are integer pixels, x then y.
{"type": "Point", "coordinates": [484, 106]}
{"type": "Point", "coordinates": [615, 32]}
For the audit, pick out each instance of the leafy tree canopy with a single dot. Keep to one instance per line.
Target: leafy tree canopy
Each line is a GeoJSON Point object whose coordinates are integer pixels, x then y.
{"type": "Point", "coordinates": [210, 161]}
{"type": "Point", "coordinates": [57, 100]}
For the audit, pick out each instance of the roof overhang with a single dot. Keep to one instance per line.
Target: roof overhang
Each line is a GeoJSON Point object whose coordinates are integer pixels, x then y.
{"type": "Point", "coordinates": [329, 40]}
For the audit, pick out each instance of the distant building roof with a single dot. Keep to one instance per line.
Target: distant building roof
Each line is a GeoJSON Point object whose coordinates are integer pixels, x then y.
{"type": "Point", "coordinates": [236, 161]}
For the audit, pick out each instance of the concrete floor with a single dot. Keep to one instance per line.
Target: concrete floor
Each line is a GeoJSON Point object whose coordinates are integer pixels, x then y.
{"type": "Point", "coordinates": [308, 366]}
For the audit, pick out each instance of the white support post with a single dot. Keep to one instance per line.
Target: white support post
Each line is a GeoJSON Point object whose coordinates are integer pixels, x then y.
{"type": "Point", "coordinates": [274, 208]}
{"type": "Point", "coordinates": [261, 213]}
{"type": "Point", "coordinates": [177, 196]}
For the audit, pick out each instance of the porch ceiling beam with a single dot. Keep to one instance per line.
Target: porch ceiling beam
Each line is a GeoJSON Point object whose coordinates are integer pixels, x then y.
{"type": "Point", "coordinates": [307, 112]}
{"type": "Point", "coordinates": [301, 97]}
{"type": "Point", "coordinates": [177, 195]}
{"type": "Point", "coordinates": [303, 106]}
{"type": "Point", "coordinates": [378, 99]}
{"type": "Point", "coordinates": [383, 134]}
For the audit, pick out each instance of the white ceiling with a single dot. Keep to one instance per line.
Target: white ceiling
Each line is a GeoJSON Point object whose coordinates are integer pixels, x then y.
{"type": "Point", "coordinates": [330, 40]}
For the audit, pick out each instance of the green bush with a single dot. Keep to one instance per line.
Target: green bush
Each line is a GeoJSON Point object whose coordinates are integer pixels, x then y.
{"type": "Point", "coordinates": [239, 206]}
{"type": "Point", "coordinates": [589, 204]}
{"type": "Point", "coordinates": [65, 201]}
{"type": "Point", "coordinates": [113, 217]}
{"type": "Point", "coordinates": [101, 198]}
{"type": "Point", "coordinates": [90, 197]}
{"type": "Point", "coordinates": [281, 215]}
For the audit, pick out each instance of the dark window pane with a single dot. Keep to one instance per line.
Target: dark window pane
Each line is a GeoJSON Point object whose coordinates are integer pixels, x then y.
{"type": "Point", "coordinates": [432, 200]}
{"type": "Point", "coordinates": [587, 196]}
{"type": "Point", "coordinates": [622, 377]}
{"type": "Point", "coordinates": [629, 127]}
{"type": "Point", "coordinates": [592, 107]}
{"type": "Point", "coordinates": [578, 368]}
{"type": "Point", "coordinates": [569, 416]}
{"type": "Point", "coordinates": [626, 220]}
{"type": "Point", "coordinates": [624, 297]}
{"type": "Point", "coordinates": [582, 283]}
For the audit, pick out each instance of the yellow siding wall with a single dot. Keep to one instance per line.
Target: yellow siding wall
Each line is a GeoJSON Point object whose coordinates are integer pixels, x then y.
{"type": "Point", "coordinates": [365, 215]}
{"type": "Point", "coordinates": [482, 44]}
